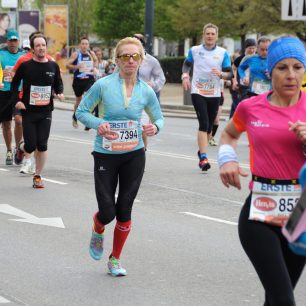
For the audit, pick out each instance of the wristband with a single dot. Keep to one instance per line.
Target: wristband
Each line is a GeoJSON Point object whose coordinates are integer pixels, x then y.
{"type": "Point", "coordinates": [185, 76]}
{"type": "Point", "coordinates": [157, 129]}
{"type": "Point", "coordinates": [226, 154]}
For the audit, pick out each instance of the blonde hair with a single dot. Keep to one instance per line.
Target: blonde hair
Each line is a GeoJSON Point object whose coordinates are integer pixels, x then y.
{"type": "Point", "coordinates": [210, 25]}
{"type": "Point", "coordinates": [126, 41]}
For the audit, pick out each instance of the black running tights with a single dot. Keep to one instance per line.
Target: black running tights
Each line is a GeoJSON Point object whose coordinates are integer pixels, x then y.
{"type": "Point", "coordinates": [126, 168]}
{"type": "Point", "coordinates": [277, 266]}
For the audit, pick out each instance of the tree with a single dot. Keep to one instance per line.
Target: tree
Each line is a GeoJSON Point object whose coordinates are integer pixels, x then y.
{"type": "Point", "coordinates": [116, 19]}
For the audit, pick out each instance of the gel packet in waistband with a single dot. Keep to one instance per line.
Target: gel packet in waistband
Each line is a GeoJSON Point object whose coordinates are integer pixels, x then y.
{"type": "Point", "coordinates": [295, 228]}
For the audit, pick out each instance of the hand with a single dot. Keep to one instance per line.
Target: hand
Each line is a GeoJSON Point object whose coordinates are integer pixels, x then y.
{"type": "Point", "coordinates": [230, 174]}
{"type": "Point", "coordinates": [19, 105]}
{"type": "Point", "coordinates": [149, 129]}
{"type": "Point", "coordinates": [246, 81]}
{"type": "Point", "coordinates": [1, 85]}
{"type": "Point", "coordinates": [150, 83]}
{"type": "Point", "coordinates": [61, 97]}
{"type": "Point", "coordinates": [186, 83]}
{"type": "Point", "coordinates": [104, 130]}
{"type": "Point", "coordinates": [216, 72]}
{"type": "Point", "coordinates": [235, 86]}
{"type": "Point", "coordinates": [299, 128]}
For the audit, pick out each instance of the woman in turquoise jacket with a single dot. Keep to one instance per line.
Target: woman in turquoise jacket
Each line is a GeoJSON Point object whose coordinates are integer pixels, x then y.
{"type": "Point", "coordinates": [119, 154]}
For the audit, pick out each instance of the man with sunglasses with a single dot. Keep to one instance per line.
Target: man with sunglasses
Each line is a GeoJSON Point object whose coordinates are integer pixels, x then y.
{"type": "Point", "coordinates": [152, 73]}
{"type": "Point", "coordinates": [8, 57]}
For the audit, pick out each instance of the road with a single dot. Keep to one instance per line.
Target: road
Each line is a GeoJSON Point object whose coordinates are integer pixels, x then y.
{"type": "Point", "coordinates": [183, 248]}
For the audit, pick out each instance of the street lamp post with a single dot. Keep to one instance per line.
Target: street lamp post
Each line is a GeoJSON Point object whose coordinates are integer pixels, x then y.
{"type": "Point", "coordinates": [149, 15]}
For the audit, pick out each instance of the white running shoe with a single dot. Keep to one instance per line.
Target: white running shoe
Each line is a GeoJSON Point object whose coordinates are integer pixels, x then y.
{"type": "Point", "coordinates": [26, 168]}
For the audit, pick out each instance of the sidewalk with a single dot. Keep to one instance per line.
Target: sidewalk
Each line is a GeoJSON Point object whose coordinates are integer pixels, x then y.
{"type": "Point", "coordinates": [171, 100]}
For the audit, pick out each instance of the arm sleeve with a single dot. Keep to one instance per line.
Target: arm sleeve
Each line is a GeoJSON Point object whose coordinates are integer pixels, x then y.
{"type": "Point", "coordinates": [159, 79]}
{"type": "Point", "coordinates": [188, 62]}
{"type": "Point", "coordinates": [153, 109]}
{"type": "Point", "coordinates": [58, 86]}
{"type": "Point", "coordinates": [15, 85]}
{"type": "Point", "coordinates": [244, 65]}
{"type": "Point", "coordinates": [226, 64]}
{"type": "Point", "coordinates": [90, 100]}
{"type": "Point", "coordinates": [239, 117]}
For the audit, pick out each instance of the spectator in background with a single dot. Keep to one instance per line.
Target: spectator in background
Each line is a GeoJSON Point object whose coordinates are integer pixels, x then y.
{"type": "Point", "coordinates": [151, 72]}
{"type": "Point", "coordinates": [102, 63]}
{"type": "Point", "coordinates": [4, 25]}
{"type": "Point", "coordinates": [26, 45]}
{"type": "Point", "coordinates": [237, 87]}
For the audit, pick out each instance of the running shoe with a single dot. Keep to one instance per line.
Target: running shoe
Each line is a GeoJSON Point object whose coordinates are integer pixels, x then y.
{"type": "Point", "coordinates": [74, 121]}
{"type": "Point", "coordinates": [9, 158]}
{"type": "Point", "coordinates": [212, 142]}
{"type": "Point", "coordinates": [33, 166]}
{"type": "Point", "coordinates": [18, 155]}
{"type": "Point", "coordinates": [27, 167]}
{"type": "Point", "coordinates": [96, 245]}
{"type": "Point", "coordinates": [204, 165]}
{"type": "Point", "coordinates": [115, 268]}
{"type": "Point", "coordinates": [37, 182]}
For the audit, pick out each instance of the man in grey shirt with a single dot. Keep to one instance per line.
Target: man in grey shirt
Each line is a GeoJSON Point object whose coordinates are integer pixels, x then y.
{"type": "Point", "coordinates": [150, 72]}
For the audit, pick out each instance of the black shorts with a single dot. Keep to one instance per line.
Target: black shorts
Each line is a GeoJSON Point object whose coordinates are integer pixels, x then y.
{"type": "Point", "coordinates": [6, 109]}
{"type": "Point", "coordinates": [81, 85]}
{"type": "Point", "coordinates": [206, 110]}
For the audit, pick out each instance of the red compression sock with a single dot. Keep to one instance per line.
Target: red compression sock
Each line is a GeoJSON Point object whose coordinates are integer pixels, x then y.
{"type": "Point", "coordinates": [98, 226]}
{"type": "Point", "coordinates": [121, 232]}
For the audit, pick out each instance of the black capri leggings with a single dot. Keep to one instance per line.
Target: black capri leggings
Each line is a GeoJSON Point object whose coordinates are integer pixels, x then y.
{"type": "Point", "coordinates": [36, 130]}
{"type": "Point", "coordinates": [128, 168]}
{"type": "Point", "coordinates": [206, 110]}
{"type": "Point", "coordinates": [276, 265]}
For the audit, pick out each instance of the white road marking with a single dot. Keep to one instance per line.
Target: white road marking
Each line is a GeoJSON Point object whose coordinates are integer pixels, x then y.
{"type": "Point", "coordinates": [4, 170]}
{"type": "Point", "coordinates": [209, 218]}
{"type": "Point", "coordinates": [202, 195]}
{"type": "Point", "coordinates": [154, 152]}
{"type": "Point", "coordinates": [182, 156]}
{"type": "Point", "coordinates": [54, 181]}
{"type": "Point", "coordinates": [28, 218]}
{"type": "Point", "coordinates": [3, 300]}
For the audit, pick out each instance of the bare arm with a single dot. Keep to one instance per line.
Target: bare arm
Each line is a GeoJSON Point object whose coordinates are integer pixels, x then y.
{"type": "Point", "coordinates": [230, 171]}
{"type": "Point", "coordinates": [73, 57]}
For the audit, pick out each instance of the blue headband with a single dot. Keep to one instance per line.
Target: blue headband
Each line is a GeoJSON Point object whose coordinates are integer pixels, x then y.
{"type": "Point", "coordinates": [285, 47]}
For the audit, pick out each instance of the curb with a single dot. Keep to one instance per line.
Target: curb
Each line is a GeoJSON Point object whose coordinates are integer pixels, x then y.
{"type": "Point", "coordinates": [174, 111]}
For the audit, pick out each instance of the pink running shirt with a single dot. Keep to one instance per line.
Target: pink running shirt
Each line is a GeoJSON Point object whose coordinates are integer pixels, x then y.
{"type": "Point", "coordinates": [275, 152]}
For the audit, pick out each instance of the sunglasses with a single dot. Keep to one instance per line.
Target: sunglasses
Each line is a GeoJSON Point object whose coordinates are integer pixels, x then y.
{"type": "Point", "coordinates": [126, 57]}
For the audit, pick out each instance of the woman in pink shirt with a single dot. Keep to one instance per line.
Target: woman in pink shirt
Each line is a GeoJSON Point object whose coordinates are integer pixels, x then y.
{"type": "Point", "coordinates": [275, 123]}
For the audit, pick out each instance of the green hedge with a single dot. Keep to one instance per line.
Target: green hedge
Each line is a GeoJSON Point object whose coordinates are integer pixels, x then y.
{"type": "Point", "coordinates": [172, 67]}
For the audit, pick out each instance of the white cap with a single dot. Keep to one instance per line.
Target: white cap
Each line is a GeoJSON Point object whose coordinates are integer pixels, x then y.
{"type": "Point", "coordinates": [26, 44]}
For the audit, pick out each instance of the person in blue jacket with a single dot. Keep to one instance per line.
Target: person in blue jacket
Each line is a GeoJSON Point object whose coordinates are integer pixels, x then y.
{"type": "Point", "coordinates": [119, 154]}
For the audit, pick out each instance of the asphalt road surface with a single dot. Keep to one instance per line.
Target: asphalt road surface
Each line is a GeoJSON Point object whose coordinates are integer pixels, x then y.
{"type": "Point", "coordinates": [183, 248]}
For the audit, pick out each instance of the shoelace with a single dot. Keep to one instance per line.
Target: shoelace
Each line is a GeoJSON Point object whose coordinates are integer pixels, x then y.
{"type": "Point", "coordinates": [96, 242]}
{"type": "Point", "coordinates": [115, 263]}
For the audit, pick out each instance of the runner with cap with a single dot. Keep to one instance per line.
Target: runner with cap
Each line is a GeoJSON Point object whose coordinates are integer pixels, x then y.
{"type": "Point", "coordinates": [8, 57]}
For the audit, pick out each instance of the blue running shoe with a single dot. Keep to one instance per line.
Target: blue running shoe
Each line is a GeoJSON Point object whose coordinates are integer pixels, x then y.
{"type": "Point", "coordinates": [115, 268]}
{"type": "Point", "coordinates": [96, 245]}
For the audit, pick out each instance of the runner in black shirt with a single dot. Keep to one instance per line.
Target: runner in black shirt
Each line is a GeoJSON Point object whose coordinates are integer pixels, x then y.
{"type": "Point", "coordinates": [41, 79]}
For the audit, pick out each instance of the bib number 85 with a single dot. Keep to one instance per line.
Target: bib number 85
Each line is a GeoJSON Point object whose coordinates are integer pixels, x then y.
{"type": "Point", "coordinates": [287, 204]}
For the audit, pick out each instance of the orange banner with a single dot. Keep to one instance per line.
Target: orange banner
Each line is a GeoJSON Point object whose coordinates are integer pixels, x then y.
{"type": "Point", "coordinates": [56, 31]}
